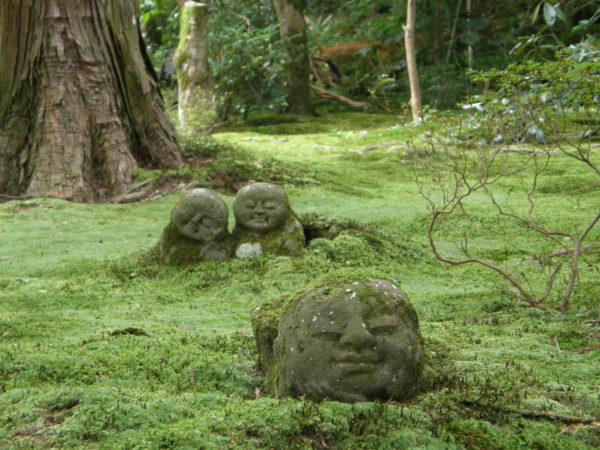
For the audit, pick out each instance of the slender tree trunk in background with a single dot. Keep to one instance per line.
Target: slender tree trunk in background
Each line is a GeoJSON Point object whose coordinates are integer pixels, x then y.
{"type": "Point", "coordinates": [195, 88]}
{"type": "Point", "coordinates": [411, 60]}
{"type": "Point", "coordinates": [453, 33]}
{"type": "Point", "coordinates": [293, 32]}
{"type": "Point", "coordinates": [79, 103]}
{"type": "Point", "coordinates": [437, 30]}
{"type": "Point", "coordinates": [470, 47]}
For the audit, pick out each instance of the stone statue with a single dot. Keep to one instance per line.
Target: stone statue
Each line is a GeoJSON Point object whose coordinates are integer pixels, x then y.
{"type": "Point", "coordinates": [197, 230]}
{"type": "Point", "coordinates": [349, 342]}
{"type": "Point", "coordinates": [265, 223]}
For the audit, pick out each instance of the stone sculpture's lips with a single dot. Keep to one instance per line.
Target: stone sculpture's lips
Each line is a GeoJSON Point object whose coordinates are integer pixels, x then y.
{"type": "Point", "coordinates": [353, 363]}
{"type": "Point", "coordinates": [260, 220]}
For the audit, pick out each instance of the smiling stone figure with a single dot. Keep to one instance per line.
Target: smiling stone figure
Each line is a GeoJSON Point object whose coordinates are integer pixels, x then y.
{"type": "Point", "coordinates": [356, 342]}
{"type": "Point", "coordinates": [265, 222]}
{"type": "Point", "coordinates": [198, 229]}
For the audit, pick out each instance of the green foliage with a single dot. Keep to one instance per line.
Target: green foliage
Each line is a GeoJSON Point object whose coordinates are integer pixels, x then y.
{"type": "Point", "coordinates": [563, 24]}
{"type": "Point", "coordinates": [160, 24]}
{"type": "Point", "coordinates": [537, 102]}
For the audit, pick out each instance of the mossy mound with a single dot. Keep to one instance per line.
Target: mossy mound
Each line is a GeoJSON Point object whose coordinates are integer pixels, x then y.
{"type": "Point", "coordinates": [350, 242]}
{"type": "Point", "coordinates": [287, 241]}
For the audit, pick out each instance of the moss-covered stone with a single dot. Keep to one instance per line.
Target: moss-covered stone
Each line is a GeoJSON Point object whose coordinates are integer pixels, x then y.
{"type": "Point", "coordinates": [197, 230]}
{"type": "Point", "coordinates": [265, 223]}
{"type": "Point", "coordinates": [286, 241]}
{"type": "Point", "coordinates": [347, 337]}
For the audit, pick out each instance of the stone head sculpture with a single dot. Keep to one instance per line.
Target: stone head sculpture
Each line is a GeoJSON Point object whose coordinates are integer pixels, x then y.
{"type": "Point", "coordinates": [261, 208]}
{"type": "Point", "coordinates": [356, 342]}
{"type": "Point", "coordinates": [200, 215]}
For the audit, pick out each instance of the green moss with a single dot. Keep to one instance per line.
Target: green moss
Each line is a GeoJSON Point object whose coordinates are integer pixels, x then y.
{"type": "Point", "coordinates": [286, 241]}
{"type": "Point", "coordinates": [72, 274]}
{"type": "Point", "coordinates": [177, 250]}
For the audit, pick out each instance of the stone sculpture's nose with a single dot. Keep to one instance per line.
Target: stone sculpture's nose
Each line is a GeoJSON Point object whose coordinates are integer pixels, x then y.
{"type": "Point", "coordinates": [357, 336]}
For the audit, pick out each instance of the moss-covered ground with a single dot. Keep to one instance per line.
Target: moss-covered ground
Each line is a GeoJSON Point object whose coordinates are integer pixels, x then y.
{"type": "Point", "coordinates": [101, 348]}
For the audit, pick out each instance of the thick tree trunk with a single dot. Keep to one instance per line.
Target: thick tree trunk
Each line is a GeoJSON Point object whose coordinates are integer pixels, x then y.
{"type": "Point", "coordinates": [293, 32]}
{"type": "Point", "coordinates": [79, 105]}
{"type": "Point", "coordinates": [411, 60]}
{"type": "Point", "coordinates": [196, 107]}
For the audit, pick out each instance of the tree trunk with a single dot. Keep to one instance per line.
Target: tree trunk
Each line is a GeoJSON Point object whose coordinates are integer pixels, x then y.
{"type": "Point", "coordinates": [79, 103]}
{"type": "Point", "coordinates": [293, 33]}
{"type": "Point", "coordinates": [195, 105]}
{"type": "Point", "coordinates": [411, 60]}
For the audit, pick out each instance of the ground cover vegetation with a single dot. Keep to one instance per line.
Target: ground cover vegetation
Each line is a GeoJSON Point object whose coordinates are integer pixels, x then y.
{"type": "Point", "coordinates": [101, 346]}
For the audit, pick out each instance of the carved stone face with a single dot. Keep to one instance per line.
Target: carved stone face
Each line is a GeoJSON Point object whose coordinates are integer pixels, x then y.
{"type": "Point", "coordinates": [261, 208]}
{"type": "Point", "coordinates": [360, 344]}
{"type": "Point", "coordinates": [200, 215]}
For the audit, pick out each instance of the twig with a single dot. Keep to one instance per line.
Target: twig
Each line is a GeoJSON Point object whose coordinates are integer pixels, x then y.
{"type": "Point", "coordinates": [5, 259]}
{"type": "Point", "coordinates": [557, 346]}
{"type": "Point", "coordinates": [526, 151]}
{"type": "Point", "coordinates": [563, 252]}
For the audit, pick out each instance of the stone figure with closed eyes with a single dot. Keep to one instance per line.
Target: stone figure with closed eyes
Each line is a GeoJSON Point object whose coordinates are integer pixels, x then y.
{"type": "Point", "coordinates": [358, 341]}
{"type": "Point", "coordinates": [265, 222]}
{"type": "Point", "coordinates": [197, 230]}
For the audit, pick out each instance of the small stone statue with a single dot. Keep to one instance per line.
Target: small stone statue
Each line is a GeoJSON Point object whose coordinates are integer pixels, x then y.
{"type": "Point", "coordinates": [197, 230]}
{"type": "Point", "coordinates": [349, 342]}
{"type": "Point", "coordinates": [265, 223]}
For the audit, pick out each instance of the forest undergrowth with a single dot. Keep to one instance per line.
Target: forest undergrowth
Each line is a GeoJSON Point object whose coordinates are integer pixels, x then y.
{"type": "Point", "coordinates": [100, 347]}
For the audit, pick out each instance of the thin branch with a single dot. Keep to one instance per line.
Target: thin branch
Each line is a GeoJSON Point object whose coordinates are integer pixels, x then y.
{"type": "Point", "coordinates": [575, 266]}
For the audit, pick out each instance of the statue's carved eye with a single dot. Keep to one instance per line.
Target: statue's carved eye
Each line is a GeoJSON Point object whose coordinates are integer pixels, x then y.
{"type": "Point", "coordinates": [329, 335]}
{"type": "Point", "coordinates": [250, 204]}
{"type": "Point", "coordinates": [383, 330]}
{"type": "Point", "coordinates": [269, 205]}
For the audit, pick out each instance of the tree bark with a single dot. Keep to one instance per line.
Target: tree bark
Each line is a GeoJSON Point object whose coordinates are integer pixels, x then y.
{"type": "Point", "coordinates": [411, 60]}
{"type": "Point", "coordinates": [292, 30]}
{"type": "Point", "coordinates": [79, 102]}
{"type": "Point", "coordinates": [196, 107]}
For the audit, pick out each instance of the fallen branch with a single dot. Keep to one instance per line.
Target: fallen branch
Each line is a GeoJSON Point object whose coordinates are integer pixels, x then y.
{"type": "Point", "coordinates": [138, 186]}
{"type": "Point", "coordinates": [558, 417]}
{"type": "Point", "coordinates": [537, 414]}
{"type": "Point", "coordinates": [133, 197]}
{"type": "Point", "coordinates": [587, 350]}
{"type": "Point", "coordinates": [368, 148]}
{"type": "Point", "coordinates": [340, 98]}
{"type": "Point", "coordinates": [5, 259]}
{"type": "Point", "coordinates": [16, 197]}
